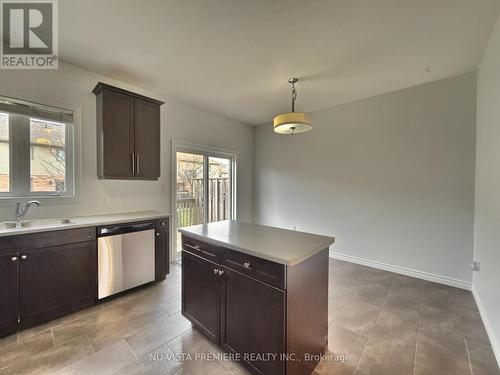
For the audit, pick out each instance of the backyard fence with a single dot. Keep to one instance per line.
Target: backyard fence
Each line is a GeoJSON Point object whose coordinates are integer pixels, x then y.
{"type": "Point", "coordinates": [190, 210]}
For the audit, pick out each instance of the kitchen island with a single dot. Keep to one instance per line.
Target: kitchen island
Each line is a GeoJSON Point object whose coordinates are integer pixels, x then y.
{"type": "Point", "coordinates": [260, 293]}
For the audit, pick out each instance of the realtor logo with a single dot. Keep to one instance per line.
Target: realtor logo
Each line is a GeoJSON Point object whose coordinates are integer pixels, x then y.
{"type": "Point", "coordinates": [29, 34]}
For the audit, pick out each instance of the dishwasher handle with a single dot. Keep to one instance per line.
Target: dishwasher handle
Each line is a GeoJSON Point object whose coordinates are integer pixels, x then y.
{"type": "Point", "coordinates": [113, 230]}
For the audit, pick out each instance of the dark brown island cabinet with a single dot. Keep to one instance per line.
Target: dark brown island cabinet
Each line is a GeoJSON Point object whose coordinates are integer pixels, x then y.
{"type": "Point", "coordinates": [270, 316]}
{"type": "Point", "coordinates": [128, 134]}
{"type": "Point", "coordinates": [50, 274]}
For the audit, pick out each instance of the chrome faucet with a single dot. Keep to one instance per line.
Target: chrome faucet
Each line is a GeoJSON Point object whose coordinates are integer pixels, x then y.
{"type": "Point", "coordinates": [21, 212]}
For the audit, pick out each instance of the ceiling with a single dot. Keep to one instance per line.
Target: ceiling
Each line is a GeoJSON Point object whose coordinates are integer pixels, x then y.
{"type": "Point", "coordinates": [234, 57]}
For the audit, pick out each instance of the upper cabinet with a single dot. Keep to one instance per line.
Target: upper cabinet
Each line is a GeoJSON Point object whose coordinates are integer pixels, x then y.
{"type": "Point", "coordinates": [128, 134]}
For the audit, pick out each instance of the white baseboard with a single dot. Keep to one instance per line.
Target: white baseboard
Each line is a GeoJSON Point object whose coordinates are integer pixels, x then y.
{"type": "Point", "coordinates": [495, 344]}
{"type": "Point", "coordinates": [404, 271]}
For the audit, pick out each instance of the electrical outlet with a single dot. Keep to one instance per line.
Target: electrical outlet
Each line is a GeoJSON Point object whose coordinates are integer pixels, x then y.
{"type": "Point", "coordinates": [474, 266]}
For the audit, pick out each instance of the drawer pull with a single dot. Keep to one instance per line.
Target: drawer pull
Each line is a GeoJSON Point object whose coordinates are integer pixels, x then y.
{"type": "Point", "coordinates": [221, 272]}
{"type": "Point", "coordinates": [216, 271]}
{"type": "Point", "coordinates": [195, 247]}
{"type": "Point", "coordinates": [13, 259]}
{"type": "Point", "coordinates": [23, 257]}
{"type": "Point", "coordinates": [247, 265]}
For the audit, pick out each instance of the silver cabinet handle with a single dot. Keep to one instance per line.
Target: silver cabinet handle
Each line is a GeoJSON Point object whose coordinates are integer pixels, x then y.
{"type": "Point", "coordinates": [247, 265]}
{"type": "Point", "coordinates": [196, 247]}
{"type": "Point", "coordinates": [13, 259]}
{"type": "Point", "coordinates": [216, 271]}
{"type": "Point", "coordinates": [138, 165]}
{"type": "Point", "coordinates": [157, 234]}
{"type": "Point", "coordinates": [221, 272]}
{"type": "Point", "coordinates": [24, 257]}
{"type": "Point", "coordinates": [133, 163]}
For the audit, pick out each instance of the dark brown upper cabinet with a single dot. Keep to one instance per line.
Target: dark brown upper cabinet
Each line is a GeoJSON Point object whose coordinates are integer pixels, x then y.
{"type": "Point", "coordinates": [128, 134]}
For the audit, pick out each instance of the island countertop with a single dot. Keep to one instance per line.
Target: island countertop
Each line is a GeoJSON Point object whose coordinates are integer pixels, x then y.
{"type": "Point", "coordinates": [283, 246]}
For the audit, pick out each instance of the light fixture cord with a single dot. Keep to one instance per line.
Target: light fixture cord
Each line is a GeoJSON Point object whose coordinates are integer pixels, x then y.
{"type": "Point", "coordinates": [294, 96]}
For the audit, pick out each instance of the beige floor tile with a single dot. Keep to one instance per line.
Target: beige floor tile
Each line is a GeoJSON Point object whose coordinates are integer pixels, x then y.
{"type": "Point", "coordinates": [159, 361]}
{"type": "Point", "coordinates": [173, 305]}
{"type": "Point", "coordinates": [482, 358]}
{"type": "Point", "coordinates": [333, 364]}
{"type": "Point", "coordinates": [49, 361]}
{"type": "Point", "coordinates": [20, 350]}
{"type": "Point", "coordinates": [156, 334]}
{"type": "Point", "coordinates": [377, 340]}
{"type": "Point", "coordinates": [8, 339]}
{"type": "Point", "coordinates": [405, 295]}
{"type": "Point", "coordinates": [205, 368]}
{"type": "Point", "coordinates": [435, 357]}
{"type": "Point", "coordinates": [387, 358]}
{"type": "Point", "coordinates": [442, 325]}
{"type": "Point", "coordinates": [396, 325]}
{"type": "Point", "coordinates": [373, 293]}
{"type": "Point", "coordinates": [458, 301]}
{"type": "Point", "coordinates": [107, 361]}
{"type": "Point", "coordinates": [345, 345]}
{"type": "Point", "coordinates": [358, 317]}
{"type": "Point", "coordinates": [192, 342]}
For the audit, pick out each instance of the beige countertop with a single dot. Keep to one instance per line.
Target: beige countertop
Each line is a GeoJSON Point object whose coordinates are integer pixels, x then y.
{"type": "Point", "coordinates": [88, 221]}
{"type": "Point", "coordinates": [278, 245]}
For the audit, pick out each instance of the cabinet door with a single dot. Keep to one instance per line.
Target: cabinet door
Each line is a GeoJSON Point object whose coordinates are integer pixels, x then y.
{"type": "Point", "coordinates": [9, 302]}
{"type": "Point", "coordinates": [147, 139]}
{"type": "Point", "coordinates": [201, 294]}
{"type": "Point", "coordinates": [253, 321]}
{"type": "Point", "coordinates": [117, 135]}
{"type": "Point", "coordinates": [56, 281]}
{"type": "Point", "coordinates": [162, 254]}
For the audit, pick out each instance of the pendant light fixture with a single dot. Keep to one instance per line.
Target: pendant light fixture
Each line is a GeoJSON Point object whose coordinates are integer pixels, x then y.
{"type": "Point", "coordinates": [292, 122]}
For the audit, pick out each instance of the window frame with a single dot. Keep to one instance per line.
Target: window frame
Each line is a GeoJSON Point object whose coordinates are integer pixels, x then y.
{"type": "Point", "coordinates": [72, 153]}
{"type": "Point", "coordinates": [206, 152]}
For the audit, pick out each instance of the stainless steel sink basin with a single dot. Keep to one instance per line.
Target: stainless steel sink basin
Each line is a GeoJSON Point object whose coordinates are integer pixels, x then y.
{"type": "Point", "coordinates": [8, 225]}
{"type": "Point", "coordinates": [35, 223]}
{"type": "Point", "coordinates": [44, 223]}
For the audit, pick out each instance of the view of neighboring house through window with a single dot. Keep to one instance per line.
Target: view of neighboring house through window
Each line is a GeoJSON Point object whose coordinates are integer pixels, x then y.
{"type": "Point", "coordinates": [48, 162]}
{"type": "Point", "coordinates": [36, 150]}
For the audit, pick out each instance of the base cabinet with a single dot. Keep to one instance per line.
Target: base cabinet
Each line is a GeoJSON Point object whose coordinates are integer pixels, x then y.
{"type": "Point", "coordinates": [201, 290]}
{"type": "Point", "coordinates": [252, 321]}
{"type": "Point", "coordinates": [55, 281]}
{"type": "Point", "coordinates": [46, 275]}
{"type": "Point", "coordinates": [273, 318]}
{"type": "Point", "coordinates": [9, 277]}
{"type": "Point", "coordinates": [162, 249]}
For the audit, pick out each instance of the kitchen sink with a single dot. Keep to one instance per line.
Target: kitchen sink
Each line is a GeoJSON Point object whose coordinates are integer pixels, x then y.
{"type": "Point", "coordinates": [35, 223]}
{"type": "Point", "coordinates": [8, 225]}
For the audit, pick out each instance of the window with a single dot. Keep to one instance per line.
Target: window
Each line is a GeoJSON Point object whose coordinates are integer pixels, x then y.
{"type": "Point", "coordinates": [36, 150]}
{"type": "Point", "coordinates": [204, 186]}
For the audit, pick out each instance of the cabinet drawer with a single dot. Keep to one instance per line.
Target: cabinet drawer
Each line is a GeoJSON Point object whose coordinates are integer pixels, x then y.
{"type": "Point", "coordinates": [202, 249]}
{"type": "Point", "coordinates": [264, 270]}
{"type": "Point", "coordinates": [39, 240]}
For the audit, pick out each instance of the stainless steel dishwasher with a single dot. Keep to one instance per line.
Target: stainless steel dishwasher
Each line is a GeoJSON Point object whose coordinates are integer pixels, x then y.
{"type": "Point", "coordinates": [126, 257]}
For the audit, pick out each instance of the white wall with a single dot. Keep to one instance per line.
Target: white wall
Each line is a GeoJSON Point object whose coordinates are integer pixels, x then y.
{"type": "Point", "coordinates": [71, 86]}
{"type": "Point", "coordinates": [391, 177]}
{"type": "Point", "coordinates": [487, 234]}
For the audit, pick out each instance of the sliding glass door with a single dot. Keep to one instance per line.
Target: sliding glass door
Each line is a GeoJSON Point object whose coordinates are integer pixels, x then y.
{"type": "Point", "coordinates": [204, 186]}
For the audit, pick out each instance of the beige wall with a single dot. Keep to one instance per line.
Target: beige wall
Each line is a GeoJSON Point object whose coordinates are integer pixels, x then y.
{"type": "Point", "coordinates": [487, 233]}
{"type": "Point", "coordinates": [391, 177]}
{"type": "Point", "coordinates": [71, 86]}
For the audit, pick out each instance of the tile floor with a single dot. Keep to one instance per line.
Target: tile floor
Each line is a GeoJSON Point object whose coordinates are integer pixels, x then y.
{"type": "Point", "coordinates": [380, 323]}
